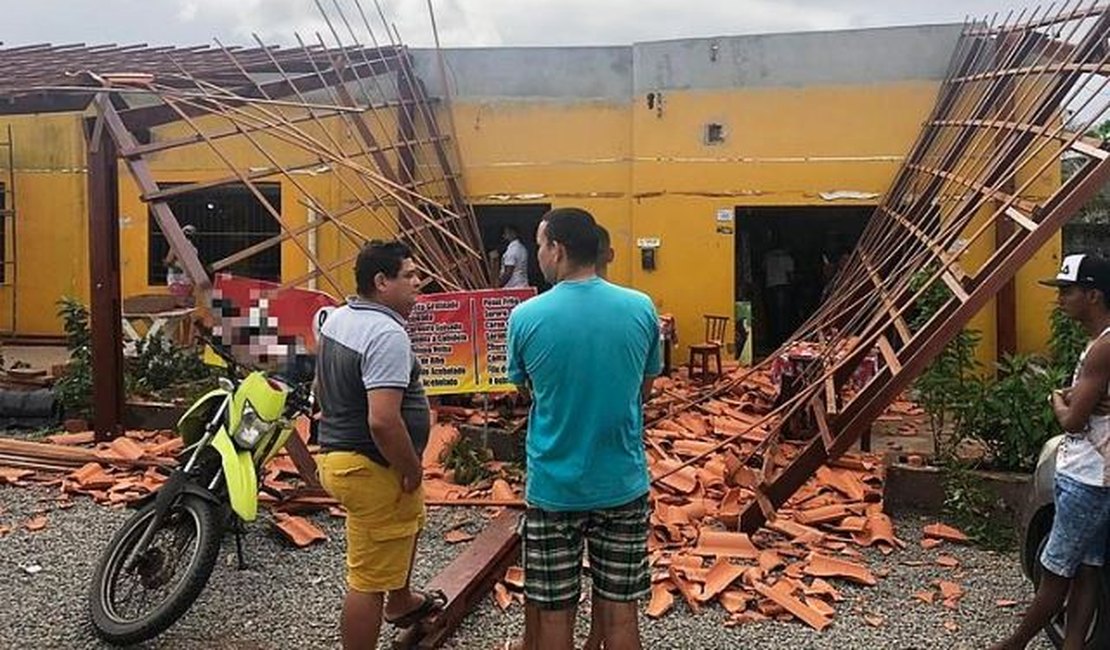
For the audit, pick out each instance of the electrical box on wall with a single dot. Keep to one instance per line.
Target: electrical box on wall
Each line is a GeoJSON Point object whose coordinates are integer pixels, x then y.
{"type": "Point", "coordinates": [648, 247]}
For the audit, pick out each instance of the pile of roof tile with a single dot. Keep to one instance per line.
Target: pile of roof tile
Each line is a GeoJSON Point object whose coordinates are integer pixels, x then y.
{"type": "Point", "coordinates": [699, 439]}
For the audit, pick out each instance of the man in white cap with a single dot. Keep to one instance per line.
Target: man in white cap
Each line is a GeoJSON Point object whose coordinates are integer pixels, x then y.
{"type": "Point", "coordinates": [1076, 548]}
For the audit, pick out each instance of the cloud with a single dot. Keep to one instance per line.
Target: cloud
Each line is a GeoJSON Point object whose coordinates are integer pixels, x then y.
{"type": "Point", "coordinates": [463, 23]}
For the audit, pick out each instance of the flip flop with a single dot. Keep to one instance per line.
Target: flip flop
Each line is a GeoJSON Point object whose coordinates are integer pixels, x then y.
{"type": "Point", "coordinates": [433, 601]}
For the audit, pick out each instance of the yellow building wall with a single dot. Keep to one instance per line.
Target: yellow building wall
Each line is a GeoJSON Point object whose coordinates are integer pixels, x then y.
{"type": "Point", "coordinates": [46, 180]}
{"type": "Point", "coordinates": [640, 171]}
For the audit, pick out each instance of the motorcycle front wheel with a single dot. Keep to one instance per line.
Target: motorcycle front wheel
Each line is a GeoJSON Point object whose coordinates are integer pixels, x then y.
{"type": "Point", "coordinates": [128, 607]}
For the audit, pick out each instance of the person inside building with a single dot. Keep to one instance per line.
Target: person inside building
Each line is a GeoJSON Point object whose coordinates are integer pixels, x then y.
{"type": "Point", "coordinates": [514, 263]}
{"type": "Point", "coordinates": [1075, 553]}
{"type": "Point", "coordinates": [778, 277]}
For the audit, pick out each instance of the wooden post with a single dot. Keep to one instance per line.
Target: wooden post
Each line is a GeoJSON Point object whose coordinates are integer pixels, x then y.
{"type": "Point", "coordinates": [105, 311]}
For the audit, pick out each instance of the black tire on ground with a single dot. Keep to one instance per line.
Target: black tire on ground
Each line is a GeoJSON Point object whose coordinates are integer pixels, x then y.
{"type": "Point", "coordinates": [1098, 637]}
{"type": "Point", "coordinates": [113, 628]}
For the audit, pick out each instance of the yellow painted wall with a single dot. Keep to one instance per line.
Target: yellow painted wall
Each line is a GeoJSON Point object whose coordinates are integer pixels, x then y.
{"type": "Point", "coordinates": [641, 172]}
{"type": "Point", "coordinates": [47, 181]}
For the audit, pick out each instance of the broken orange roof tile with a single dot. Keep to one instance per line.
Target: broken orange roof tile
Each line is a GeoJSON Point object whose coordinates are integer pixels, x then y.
{"type": "Point", "coordinates": [688, 447]}
{"type": "Point", "coordinates": [853, 461]}
{"type": "Point", "coordinates": [852, 524]}
{"type": "Point", "coordinates": [720, 577]}
{"type": "Point", "coordinates": [457, 536]}
{"type": "Point", "coordinates": [1005, 602]}
{"type": "Point", "coordinates": [945, 532]}
{"type": "Point", "coordinates": [123, 447]}
{"type": "Point", "coordinates": [827, 567]}
{"type": "Point", "coordinates": [928, 597]}
{"type": "Point", "coordinates": [947, 561]}
{"type": "Point", "coordinates": [820, 606]}
{"type": "Point", "coordinates": [929, 543]}
{"type": "Point", "coordinates": [439, 490]}
{"type": "Point", "coordinates": [746, 477]}
{"type": "Point", "coordinates": [337, 512]}
{"type": "Point", "coordinates": [798, 532]}
{"type": "Point", "coordinates": [92, 476]}
{"type": "Point", "coordinates": [950, 590]}
{"type": "Point", "coordinates": [725, 544]}
{"type": "Point", "coordinates": [795, 570]}
{"type": "Point", "coordinates": [298, 530]}
{"type": "Point", "coordinates": [4, 530]}
{"type": "Point", "coordinates": [821, 515]}
{"type": "Point", "coordinates": [167, 448]}
{"type": "Point", "coordinates": [752, 575]}
{"type": "Point", "coordinates": [684, 561]}
{"type": "Point", "coordinates": [694, 423]}
{"type": "Point", "coordinates": [502, 491]}
{"type": "Point", "coordinates": [782, 595]}
{"type": "Point", "coordinates": [769, 561]}
{"type": "Point", "coordinates": [734, 602]}
{"type": "Point", "coordinates": [683, 481]}
{"type": "Point", "coordinates": [35, 523]}
{"type": "Point", "coordinates": [501, 596]}
{"type": "Point", "coordinates": [880, 528]}
{"type": "Point", "coordinates": [514, 577]}
{"type": "Point", "coordinates": [686, 589]}
{"type": "Point", "coordinates": [661, 600]}
{"type": "Point", "coordinates": [821, 587]}
{"type": "Point", "coordinates": [82, 438]}
{"type": "Point", "coordinates": [697, 509]}
{"type": "Point", "coordinates": [669, 515]}
{"type": "Point", "coordinates": [13, 475]}
{"type": "Point", "coordinates": [843, 481]}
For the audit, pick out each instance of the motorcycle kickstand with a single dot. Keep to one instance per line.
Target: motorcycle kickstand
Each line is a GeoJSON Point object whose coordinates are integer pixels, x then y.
{"type": "Point", "coordinates": [239, 548]}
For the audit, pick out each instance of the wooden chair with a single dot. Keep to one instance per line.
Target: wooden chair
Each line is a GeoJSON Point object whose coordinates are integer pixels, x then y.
{"type": "Point", "coordinates": [700, 353]}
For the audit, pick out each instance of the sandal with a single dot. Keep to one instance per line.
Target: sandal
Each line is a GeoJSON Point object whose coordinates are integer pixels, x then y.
{"type": "Point", "coordinates": [433, 601]}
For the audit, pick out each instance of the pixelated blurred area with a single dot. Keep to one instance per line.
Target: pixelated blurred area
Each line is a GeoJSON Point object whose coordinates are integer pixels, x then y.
{"type": "Point", "coordinates": [266, 326]}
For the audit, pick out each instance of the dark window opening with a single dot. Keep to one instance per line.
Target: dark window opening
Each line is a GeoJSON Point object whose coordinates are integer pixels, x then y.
{"type": "Point", "coordinates": [227, 219]}
{"type": "Point", "coordinates": [813, 241]}
{"type": "Point", "coordinates": [526, 218]}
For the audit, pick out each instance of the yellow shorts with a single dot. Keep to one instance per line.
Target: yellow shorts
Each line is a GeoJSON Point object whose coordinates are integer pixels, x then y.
{"type": "Point", "coordinates": [382, 521]}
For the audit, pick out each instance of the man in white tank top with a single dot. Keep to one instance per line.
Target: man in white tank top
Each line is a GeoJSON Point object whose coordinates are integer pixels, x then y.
{"type": "Point", "coordinates": [1076, 548]}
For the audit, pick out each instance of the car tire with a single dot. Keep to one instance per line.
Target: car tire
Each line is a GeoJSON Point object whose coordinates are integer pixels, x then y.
{"type": "Point", "coordinates": [1098, 637]}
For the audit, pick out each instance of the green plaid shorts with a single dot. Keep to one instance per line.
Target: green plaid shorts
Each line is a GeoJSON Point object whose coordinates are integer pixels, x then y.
{"type": "Point", "coordinates": [616, 539]}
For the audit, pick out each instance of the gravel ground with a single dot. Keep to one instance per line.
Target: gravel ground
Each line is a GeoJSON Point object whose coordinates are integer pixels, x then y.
{"type": "Point", "coordinates": [290, 598]}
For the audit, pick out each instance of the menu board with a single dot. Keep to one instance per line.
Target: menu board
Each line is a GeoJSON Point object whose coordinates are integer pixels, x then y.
{"type": "Point", "coordinates": [460, 339]}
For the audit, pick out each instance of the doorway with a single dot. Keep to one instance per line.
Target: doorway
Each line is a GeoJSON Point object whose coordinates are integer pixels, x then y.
{"type": "Point", "coordinates": [525, 217]}
{"type": "Point", "coordinates": [784, 258]}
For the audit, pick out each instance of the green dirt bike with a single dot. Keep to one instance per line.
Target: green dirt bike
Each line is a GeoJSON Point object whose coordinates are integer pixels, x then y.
{"type": "Point", "coordinates": [160, 560]}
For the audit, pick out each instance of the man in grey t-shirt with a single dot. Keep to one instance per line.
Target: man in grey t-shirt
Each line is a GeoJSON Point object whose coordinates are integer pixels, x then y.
{"type": "Point", "coordinates": [373, 428]}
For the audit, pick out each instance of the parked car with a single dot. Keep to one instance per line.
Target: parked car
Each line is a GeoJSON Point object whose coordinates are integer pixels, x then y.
{"type": "Point", "coordinates": [1036, 524]}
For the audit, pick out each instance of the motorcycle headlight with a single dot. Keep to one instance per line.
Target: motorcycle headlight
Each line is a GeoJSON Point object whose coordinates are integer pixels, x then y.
{"type": "Point", "coordinates": [251, 428]}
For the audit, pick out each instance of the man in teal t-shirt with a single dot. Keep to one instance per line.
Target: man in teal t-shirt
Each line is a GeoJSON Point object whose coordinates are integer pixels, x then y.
{"type": "Point", "coordinates": [588, 351]}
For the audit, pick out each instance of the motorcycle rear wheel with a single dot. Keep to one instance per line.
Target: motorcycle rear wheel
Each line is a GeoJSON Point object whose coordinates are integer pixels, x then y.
{"type": "Point", "coordinates": [158, 570]}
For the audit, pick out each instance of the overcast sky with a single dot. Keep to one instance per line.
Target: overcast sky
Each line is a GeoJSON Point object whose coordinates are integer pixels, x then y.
{"type": "Point", "coordinates": [464, 22]}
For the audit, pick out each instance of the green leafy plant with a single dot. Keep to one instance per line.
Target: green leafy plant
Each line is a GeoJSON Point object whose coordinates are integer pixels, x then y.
{"type": "Point", "coordinates": [1012, 416]}
{"type": "Point", "coordinates": [1066, 343]}
{"type": "Point", "coordinates": [159, 364]}
{"type": "Point", "coordinates": [972, 508]}
{"type": "Point", "coordinates": [949, 386]}
{"type": "Point", "coordinates": [467, 459]}
{"type": "Point", "coordinates": [74, 388]}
